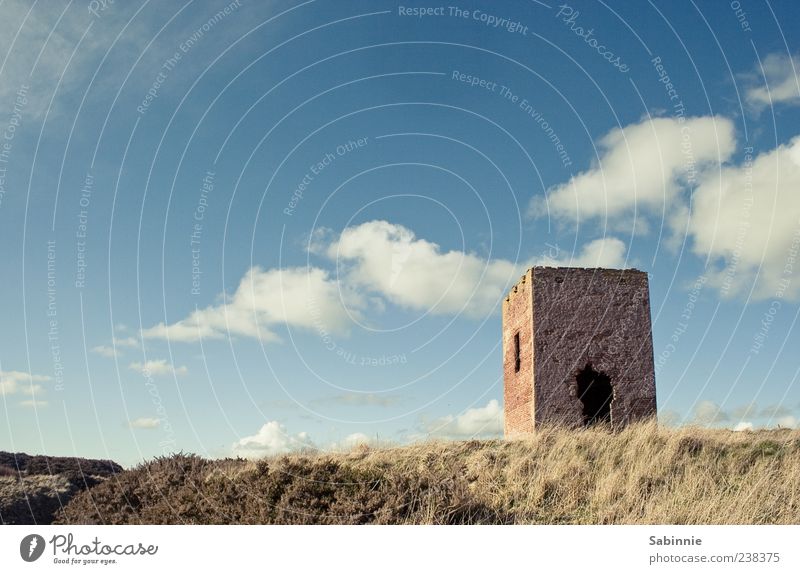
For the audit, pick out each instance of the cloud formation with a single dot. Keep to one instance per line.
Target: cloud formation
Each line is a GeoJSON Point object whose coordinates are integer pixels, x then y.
{"type": "Point", "coordinates": [743, 218]}
{"type": "Point", "coordinates": [104, 351]}
{"type": "Point", "coordinates": [708, 413]}
{"type": "Point", "coordinates": [643, 166]}
{"type": "Point", "coordinates": [388, 259]}
{"type": "Point", "coordinates": [33, 403]}
{"type": "Point", "coordinates": [782, 83]}
{"type": "Point", "coordinates": [145, 423]}
{"type": "Point", "coordinates": [158, 367]}
{"type": "Point", "coordinates": [746, 218]}
{"type": "Point", "coordinates": [300, 297]}
{"type": "Point", "coordinates": [271, 439]}
{"type": "Point", "coordinates": [377, 261]}
{"type": "Point", "coordinates": [604, 252]}
{"type": "Point", "coordinates": [748, 417]}
{"type": "Point", "coordinates": [414, 273]}
{"type": "Point", "coordinates": [481, 421]}
{"type": "Point", "coordinates": [12, 382]}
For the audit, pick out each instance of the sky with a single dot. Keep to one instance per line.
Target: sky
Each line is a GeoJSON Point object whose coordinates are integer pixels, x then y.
{"type": "Point", "coordinates": [243, 228]}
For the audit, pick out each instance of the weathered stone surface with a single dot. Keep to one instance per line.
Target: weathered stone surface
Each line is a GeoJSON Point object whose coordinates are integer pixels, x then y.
{"type": "Point", "coordinates": [569, 320]}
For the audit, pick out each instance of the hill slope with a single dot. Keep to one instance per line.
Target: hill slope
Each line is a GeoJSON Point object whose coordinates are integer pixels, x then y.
{"type": "Point", "coordinates": [640, 475]}
{"type": "Point", "coordinates": [33, 488]}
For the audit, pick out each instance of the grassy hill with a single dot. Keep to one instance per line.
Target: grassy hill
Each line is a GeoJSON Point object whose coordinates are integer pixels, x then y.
{"type": "Point", "coordinates": [642, 475]}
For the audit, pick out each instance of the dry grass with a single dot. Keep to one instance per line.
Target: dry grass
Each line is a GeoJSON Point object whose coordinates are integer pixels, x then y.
{"type": "Point", "coordinates": [642, 475]}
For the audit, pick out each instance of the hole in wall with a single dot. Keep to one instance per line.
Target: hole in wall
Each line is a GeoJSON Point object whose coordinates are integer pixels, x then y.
{"type": "Point", "coordinates": [595, 393]}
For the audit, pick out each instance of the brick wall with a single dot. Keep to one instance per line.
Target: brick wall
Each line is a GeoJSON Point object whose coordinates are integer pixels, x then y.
{"type": "Point", "coordinates": [570, 318]}
{"type": "Point", "coordinates": [517, 388]}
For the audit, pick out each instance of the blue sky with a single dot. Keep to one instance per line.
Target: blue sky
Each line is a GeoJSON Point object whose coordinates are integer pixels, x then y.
{"type": "Point", "coordinates": [242, 228]}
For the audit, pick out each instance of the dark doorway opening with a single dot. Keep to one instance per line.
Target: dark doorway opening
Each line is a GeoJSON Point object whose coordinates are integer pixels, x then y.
{"type": "Point", "coordinates": [595, 393]}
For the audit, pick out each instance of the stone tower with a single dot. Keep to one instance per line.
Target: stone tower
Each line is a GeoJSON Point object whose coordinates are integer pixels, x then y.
{"type": "Point", "coordinates": [577, 349]}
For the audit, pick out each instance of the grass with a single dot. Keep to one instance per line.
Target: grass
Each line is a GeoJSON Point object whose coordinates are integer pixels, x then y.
{"type": "Point", "coordinates": [641, 475]}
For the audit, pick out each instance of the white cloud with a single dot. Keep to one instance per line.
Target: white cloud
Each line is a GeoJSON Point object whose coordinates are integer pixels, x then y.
{"type": "Point", "coordinates": [744, 219]}
{"type": "Point", "coordinates": [604, 252]}
{"type": "Point", "coordinates": [747, 218]}
{"type": "Point", "coordinates": [749, 410]}
{"type": "Point", "coordinates": [782, 84]}
{"type": "Point", "coordinates": [12, 382]}
{"type": "Point", "coordinates": [773, 411]}
{"type": "Point", "coordinates": [129, 342]}
{"type": "Point", "coordinates": [158, 367]}
{"type": "Point", "coordinates": [788, 422]}
{"type": "Point", "coordinates": [389, 259]}
{"type": "Point", "coordinates": [300, 297]}
{"type": "Point", "coordinates": [743, 426]}
{"type": "Point", "coordinates": [38, 41]}
{"type": "Point", "coordinates": [115, 349]}
{"type": "Point", "coordinates": [669, 418]}
{"type": "Point", "coordinates": [482, 421]}
{"type": "Point", "coordinates": [271, 439]}
{"type": "Point", "coordinates": [377, 261]}
{"type": "Point", "coordinates": [33, 403]}
{"type": "Point", "coordinates": [642, 165]}
{"type": "Point", "coordinates": [145, 423]}
{"type": "Point", "coordinates": [104, 351]}
{"type": "Point", "coordinates": [709, 413]}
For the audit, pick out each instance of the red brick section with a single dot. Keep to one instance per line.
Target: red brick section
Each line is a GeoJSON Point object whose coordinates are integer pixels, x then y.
{"type": "Point", "coordinates": [518, 388]}
{"type": "Point", "coordinates": [568, 318]}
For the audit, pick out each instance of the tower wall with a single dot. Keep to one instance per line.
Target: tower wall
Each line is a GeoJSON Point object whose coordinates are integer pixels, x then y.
{"type": "Point", "coordinates": [576, 318]}
{"type": "Point", "coordinates": [517, 387]}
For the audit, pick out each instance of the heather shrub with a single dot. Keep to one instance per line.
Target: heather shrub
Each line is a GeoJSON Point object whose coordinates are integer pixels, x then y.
{"type": "Point", "coordinates": [640, 475]}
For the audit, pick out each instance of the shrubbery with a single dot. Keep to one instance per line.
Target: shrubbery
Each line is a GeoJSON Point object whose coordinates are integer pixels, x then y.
{"type": "Point", "coordinates": [639, 475]}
